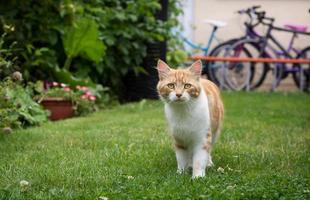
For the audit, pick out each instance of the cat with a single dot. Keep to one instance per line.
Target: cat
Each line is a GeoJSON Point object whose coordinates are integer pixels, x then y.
{"type": "Point", "coordinates": [194, 111]}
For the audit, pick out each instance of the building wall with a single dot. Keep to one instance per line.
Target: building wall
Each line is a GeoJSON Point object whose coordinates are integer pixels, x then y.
{"type": "Point", "coordinates": [187, 19]}
{"type": "Point", "coordinates": [284, 11]}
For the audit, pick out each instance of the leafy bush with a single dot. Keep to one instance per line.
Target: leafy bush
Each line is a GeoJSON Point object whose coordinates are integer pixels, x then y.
{"type": "Point", "coordinates": [84, 42]}
{"type": "Point", "coordinates": [17, 108]}
{"type": "Point", "coordinates": [177, 57]}
{"type": "Point", "coordinates": [7, 58]}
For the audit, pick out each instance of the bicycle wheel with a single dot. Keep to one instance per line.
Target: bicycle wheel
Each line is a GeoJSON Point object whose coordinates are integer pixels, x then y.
{"type": "Point", "coordinates": [207, 70]}
{"type": "Point", "coordinates": [238, 75]}
{"type": "Point", "coordinates": [213, 69]}
{"type": "Point", "coordinates": [260, 69]}
{"type": "Point", "coordinates": [305, 54]}
{"type": "Point", "coordinates": [251, 49]}
{"type": "Point", "coordinates": [216, 69]}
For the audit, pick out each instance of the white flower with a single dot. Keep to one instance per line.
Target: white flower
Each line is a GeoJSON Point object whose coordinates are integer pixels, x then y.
{"type": "Point", "coordinates": [23, 183]}
{"type": "Point", "coordinates": [130, 177]}
{"type": "Point", "coordinates": [220, 169]}
{"type": "Point", "coordinates": [103, 198]}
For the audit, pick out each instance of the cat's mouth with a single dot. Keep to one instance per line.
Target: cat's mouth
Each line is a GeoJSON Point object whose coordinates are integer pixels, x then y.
{"type": "Point", "coordinates": [179, 100]}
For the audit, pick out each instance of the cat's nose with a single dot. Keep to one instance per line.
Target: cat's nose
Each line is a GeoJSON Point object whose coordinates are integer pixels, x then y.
{"type": "Point", "coordinates": [178, 95]}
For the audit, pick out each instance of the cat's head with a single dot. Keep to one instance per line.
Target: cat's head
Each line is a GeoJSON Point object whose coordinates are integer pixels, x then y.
{"type": "Point", "coordinates": [178, 85]}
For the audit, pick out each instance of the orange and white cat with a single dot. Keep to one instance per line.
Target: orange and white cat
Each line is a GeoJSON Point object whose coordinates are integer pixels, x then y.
{"type": "Point", "coordinates": [194, 111]}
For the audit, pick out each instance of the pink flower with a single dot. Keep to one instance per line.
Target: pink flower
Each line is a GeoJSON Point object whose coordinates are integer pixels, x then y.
{"type": "Point", "coordinates": [54, 84]}
{"type": "Point", "coordinates": [84, 88]}
{"type": "Point", "coordinates": [88, 93]}
{"type": "Point", "coordinates": [63, 85]}
{"type": "Point", "coordinates": [78, 87]}
{"type": "Point", "coordinates": [92, 98]}
{"type": "Point", "coordinates": [83, 96]}
{"type": "Point", "coordinates": [67, 89]}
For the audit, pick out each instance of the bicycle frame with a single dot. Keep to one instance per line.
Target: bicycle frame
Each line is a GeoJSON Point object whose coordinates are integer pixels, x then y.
{"type": "Point", "coordinates": [207, 48]}
{"type": "Point", "coordinates": [283, 50]}
{"type": "Point", "coordinates": [252, 34]}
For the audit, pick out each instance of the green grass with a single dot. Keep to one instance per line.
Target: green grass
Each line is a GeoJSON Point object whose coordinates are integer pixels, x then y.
{"type": "Point", "coordinates": [264, 150]}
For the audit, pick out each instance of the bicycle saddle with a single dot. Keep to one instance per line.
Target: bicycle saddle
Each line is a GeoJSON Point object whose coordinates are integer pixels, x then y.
{"type": "Point", "coordinates": [293, 27]}
{"type": "Point", "coordinates": [215, 22]}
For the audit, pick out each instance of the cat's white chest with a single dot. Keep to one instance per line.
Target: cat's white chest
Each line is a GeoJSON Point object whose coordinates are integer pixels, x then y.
{"type": "Point", "coordinates": [189, 124]}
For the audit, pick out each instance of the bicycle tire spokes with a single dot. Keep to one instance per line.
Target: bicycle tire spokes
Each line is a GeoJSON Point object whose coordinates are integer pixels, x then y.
{"type": "Point", "coordinates": [237, 74]}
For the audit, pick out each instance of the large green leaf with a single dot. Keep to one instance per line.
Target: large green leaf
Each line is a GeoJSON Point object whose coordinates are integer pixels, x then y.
{"type": "Point", "coordinates": [83, 39]}
{"type": "Point", "coordinates": [64, 76]}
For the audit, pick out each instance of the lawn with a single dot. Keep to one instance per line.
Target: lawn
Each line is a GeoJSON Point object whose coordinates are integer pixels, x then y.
{"type": "Point", "coordinates": [126, 153]}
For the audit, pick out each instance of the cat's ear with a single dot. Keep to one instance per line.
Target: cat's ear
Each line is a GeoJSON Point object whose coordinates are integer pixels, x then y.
{"type": "Point", "coordinates": [196, 68]}
{"type": "Point", "coordinates": [163, 69]}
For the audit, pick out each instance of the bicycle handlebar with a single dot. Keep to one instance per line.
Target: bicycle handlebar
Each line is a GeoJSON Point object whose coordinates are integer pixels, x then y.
{"type": "Point", "coordinates": [248, 10]}
{"type": "Point", "coordinates": [256, 7]}
{"type": "Point", "coordinates": [253, 14]}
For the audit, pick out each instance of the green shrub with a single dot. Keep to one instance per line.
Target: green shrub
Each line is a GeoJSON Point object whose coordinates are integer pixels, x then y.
{"type": "Point", "coordinates": [84, 42]}
{"type": "Point", "coordinates": [7, 58]}
{"type": "Point", "coordinates": [17, 108]}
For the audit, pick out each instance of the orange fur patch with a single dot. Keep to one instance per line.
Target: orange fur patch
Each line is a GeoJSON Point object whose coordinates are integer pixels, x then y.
{"type": "Point", "coordinates": [208, 142]}
{"type": "Point", "coordinates": [215, 105]}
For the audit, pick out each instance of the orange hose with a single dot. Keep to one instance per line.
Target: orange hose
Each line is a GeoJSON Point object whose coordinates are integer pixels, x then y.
{"type": "Point", "coordinates": [243, 59]}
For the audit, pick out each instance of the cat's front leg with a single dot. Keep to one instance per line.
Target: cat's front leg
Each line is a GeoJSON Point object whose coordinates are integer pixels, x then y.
{"type": "Point", "coordinates": [201, 159]}
{"type": "Point", "coordinates": [208, 147]}
{"type": "Point", "coordinates": [182, 158]}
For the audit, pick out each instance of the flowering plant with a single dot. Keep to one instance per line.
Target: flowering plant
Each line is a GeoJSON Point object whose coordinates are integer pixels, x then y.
{"type": "Point", "coordinates": [82, 97]}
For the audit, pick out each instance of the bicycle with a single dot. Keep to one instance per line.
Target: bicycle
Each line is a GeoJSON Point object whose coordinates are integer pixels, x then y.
{"type": "Point", "coordinates": [270, 47]}
{"type": "Point", "coordinates": [257, 74]}
{"type": "Point", "coordinates": [261, 45]}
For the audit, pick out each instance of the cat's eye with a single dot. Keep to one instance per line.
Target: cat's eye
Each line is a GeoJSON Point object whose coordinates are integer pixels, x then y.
{"type": "Point", "coordinates": [170, 86]}
{"type": "Point", "coordinates": [187, 85]}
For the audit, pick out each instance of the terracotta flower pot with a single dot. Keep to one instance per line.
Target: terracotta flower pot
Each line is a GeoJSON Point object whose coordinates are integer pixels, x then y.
{"type": "Point", "coordinates": [59, 108]}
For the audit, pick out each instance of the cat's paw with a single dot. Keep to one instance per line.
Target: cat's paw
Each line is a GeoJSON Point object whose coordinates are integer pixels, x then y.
{"type": "Point", "coordinates": [199, 174]}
